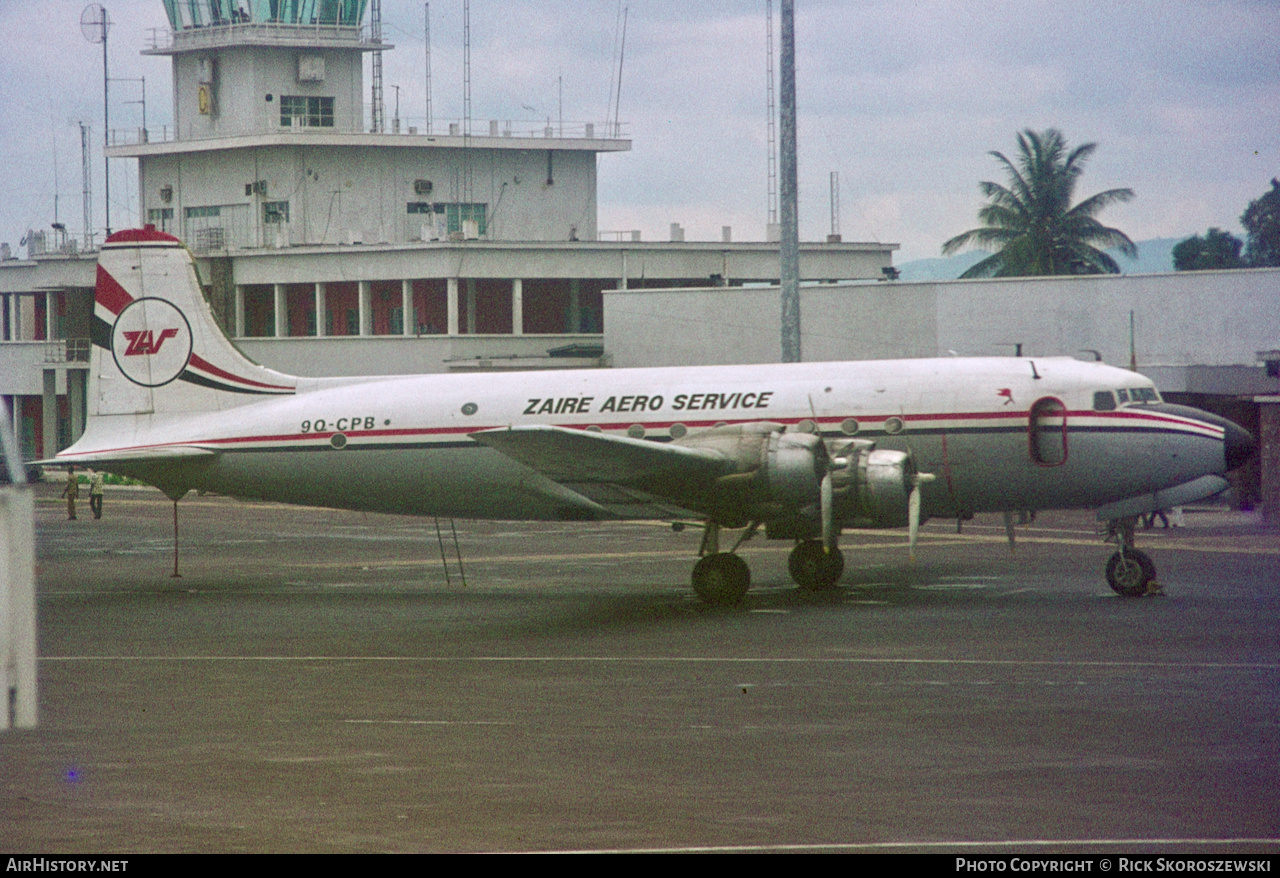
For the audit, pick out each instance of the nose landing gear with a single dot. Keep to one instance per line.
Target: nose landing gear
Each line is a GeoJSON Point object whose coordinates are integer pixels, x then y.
{"type": "Point", "coordinates": [1130, 572]}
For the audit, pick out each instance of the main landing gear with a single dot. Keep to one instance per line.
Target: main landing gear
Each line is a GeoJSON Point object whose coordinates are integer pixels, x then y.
{"type": "Point", "coordinates": [722, 578]}
{"type": "Point", "coordinates": [814, 567]}
{"type": "Point", "coordinates": [1130, 572]}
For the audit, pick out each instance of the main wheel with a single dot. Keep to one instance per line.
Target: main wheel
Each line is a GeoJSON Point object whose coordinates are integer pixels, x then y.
{"type": "Point", "coordinates": [721, 579]}
{"type": "Point", "coordinates": [813, 568]}
{"type": "Point", "coordinates": [1130, 574]}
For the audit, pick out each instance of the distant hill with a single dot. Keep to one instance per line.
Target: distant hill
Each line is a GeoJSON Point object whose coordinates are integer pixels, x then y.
{"type": "Point", "coordinates": [1154, 256]}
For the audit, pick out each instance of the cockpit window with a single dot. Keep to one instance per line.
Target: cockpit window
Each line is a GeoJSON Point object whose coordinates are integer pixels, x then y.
{"type": "Point", "coordinates": [1104, 401]}
{"type": "Point", "coordinates": [1123, 394]}
{"type": "Point", "coordinates": [1143, 394]}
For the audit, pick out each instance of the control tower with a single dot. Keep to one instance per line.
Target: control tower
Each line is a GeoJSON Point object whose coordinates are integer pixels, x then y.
{"type": "Point", "coordinates": [263, 66]}
{"type": "Point", "coordinates": [269, 148]}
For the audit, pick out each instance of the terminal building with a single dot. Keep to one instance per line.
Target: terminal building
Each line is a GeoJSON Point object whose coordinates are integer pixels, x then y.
{"type": "Point", "coordinates": [330, 245]}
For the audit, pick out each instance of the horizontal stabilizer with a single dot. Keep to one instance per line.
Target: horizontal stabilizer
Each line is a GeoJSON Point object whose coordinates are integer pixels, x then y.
{"type": "Point", "coordinates": [156, 454]}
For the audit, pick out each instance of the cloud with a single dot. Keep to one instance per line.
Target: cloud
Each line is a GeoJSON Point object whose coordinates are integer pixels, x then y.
{"type": "Point", "coordinates": [903, 100]}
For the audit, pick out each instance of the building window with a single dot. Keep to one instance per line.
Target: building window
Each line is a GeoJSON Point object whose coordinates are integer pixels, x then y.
{"type": "Point", "coordinates": [161, 218]}
{"type": "Point", "coordinates": [456, 214]}
{"type": "Point", "coordinates": [306, 112]}
{"type": "Point", "coordinates": [275, 211]}
{"type": "Point", "coordinates": [199, 212]}
{"type": "Point", "coordinates": [421, 207]}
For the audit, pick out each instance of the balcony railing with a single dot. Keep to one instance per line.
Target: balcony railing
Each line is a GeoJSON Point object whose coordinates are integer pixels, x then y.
{"type": "Point", "coordinates": [258, 33]}
{"type": "Point", "coordinates": [67, 350]}
{"type": "Point", "coordinates": [416, 127]}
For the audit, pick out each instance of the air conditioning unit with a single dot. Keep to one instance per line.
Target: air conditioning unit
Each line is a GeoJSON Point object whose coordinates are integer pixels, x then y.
{"type": "Point", "coordinates": [422, 187]}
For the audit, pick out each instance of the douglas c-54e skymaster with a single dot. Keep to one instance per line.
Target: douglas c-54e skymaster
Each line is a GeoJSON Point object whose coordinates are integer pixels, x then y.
{"type": "Point", "coordinates": [800, 451]}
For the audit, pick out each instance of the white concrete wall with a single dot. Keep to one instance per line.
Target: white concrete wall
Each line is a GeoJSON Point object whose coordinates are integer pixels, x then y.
{"type": "Point", "coordinates": [341, 193]}
{"type": "Point", "coordinates": [246, 75]}
{"type": "Point", "coordinates": [1218, 318]}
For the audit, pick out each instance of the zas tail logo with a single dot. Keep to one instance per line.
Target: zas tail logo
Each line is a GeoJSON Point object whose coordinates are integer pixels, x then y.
{"type": "Point", "coordinates": [151, 342]}
{"type": "Point", "coordinates": [144, 341]}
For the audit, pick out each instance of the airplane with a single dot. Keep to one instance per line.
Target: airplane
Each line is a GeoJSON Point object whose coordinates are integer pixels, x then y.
{"type": "Point", "coordinates": [802, 451]}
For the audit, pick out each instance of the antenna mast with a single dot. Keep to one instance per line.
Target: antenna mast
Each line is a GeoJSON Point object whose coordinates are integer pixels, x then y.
{"type": "Point", "coordinates": [466, 100]}
{"type": "Point", "coordinates": [86, 188]}
{"type": "Point", "coordinates": [94, 24]}
{"type": "Point", "coordinates": [375, 34]}
{"type": "Point", "coordinates": [427, 18]}
{"type": "Point", "coordinates": [773, 126]}
{"type": "Point", "coordinates": [622, 54]}
{"type": "Point", "coordinates": [835, 205]}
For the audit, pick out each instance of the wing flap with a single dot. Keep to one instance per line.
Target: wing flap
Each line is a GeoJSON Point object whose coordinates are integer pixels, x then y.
{"type": "Point", "coordinates": [632, 478]}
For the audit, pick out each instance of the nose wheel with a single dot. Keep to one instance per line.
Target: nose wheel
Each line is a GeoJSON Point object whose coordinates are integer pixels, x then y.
{"type": "Point", "coordinates": [1131, 573]}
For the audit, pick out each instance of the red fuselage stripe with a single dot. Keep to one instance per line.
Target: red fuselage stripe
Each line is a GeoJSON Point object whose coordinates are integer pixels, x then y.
{"type": "Point", "coordinates": [445, 431]}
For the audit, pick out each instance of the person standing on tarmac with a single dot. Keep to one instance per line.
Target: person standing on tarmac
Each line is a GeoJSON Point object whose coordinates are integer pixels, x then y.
{"type": "Point", "coordinates": [95, 494]}
{"type": "Point", "coordinates": [71, 492]}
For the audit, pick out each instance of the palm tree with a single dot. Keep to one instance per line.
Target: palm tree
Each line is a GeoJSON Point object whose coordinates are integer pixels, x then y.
{"type": "Point", "coordinates": [1031, 224]}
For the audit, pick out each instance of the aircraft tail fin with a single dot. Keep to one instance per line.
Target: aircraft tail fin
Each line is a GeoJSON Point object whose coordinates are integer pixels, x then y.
{"type": "Point", "coordinates": [157, 348]}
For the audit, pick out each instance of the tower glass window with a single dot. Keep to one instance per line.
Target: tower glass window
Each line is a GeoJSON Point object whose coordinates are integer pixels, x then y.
{"type": "Point", "coordinates": [298, 111]}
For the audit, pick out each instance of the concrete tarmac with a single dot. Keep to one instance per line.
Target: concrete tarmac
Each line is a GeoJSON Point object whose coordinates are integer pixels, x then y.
{"type": "Point", "coordinates": [312, 683]}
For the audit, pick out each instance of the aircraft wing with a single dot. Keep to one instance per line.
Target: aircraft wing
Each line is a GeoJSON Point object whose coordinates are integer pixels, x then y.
{"type": "Point", "coordinates": [632, 478]}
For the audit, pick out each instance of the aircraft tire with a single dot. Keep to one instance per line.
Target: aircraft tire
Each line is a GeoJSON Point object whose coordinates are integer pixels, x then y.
{"type": "Point", "coordinates": [814, 569]}
{"type": "Point", "coordinates": [721, 579]}
{"type": "Point", "coordinates": [1130, 575]}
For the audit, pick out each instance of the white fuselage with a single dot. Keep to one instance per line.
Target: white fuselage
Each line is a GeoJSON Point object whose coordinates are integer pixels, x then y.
{"type": "Point", "coordinates": [403, 444]}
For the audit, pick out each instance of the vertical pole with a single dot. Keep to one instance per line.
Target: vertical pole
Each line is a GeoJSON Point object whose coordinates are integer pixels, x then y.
{"type": "Point", "coordinates": [427, 16]}
{"type": "Point", "coordinates": [451, 305]}
{"type": "Point", "coordinates": [280, 305]}
{"type": "Point", "coordinates": [239, 311]}
{"type": "Point", "coordinates": [789, 252]}
{"type": "Point", "coordinates": [366, 307]}
{"type": "Point", "coordinates": [517, 306]}
{"type": "Point", "coordinates": [17, 587]}
{"type": "Point", "coordinates": [176, 574]}
{"type": "Point", "coordinates": [1133, 347]}
{"type": "Point", "coordinates": [408, 320]}
{"type": "Point", "coordinates": [106, 125]}
{"type": "Point", "coordinates": [322, 311]}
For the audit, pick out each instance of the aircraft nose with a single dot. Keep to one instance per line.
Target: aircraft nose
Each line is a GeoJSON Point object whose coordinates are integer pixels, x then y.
{"type": "Point", "coordinates": [1238, 445]}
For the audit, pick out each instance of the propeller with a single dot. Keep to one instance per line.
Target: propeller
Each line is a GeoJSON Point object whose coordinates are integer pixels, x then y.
{"type": "Point", "coordinates": [828, 517]}
{"type": "Point", "coordinates": [913, 510]}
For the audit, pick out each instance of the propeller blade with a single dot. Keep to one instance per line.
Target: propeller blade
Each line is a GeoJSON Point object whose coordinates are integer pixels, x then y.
{"type": "Point", "coordinates": [913, 521]}
{"type": "Point", "coordinates": [828, 515]}
{"type": "Point", "coordinates": [913, 511]}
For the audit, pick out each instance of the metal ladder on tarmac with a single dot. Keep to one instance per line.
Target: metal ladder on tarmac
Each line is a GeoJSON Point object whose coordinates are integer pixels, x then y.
{"type": "Point", "coordinates": [457, 553]}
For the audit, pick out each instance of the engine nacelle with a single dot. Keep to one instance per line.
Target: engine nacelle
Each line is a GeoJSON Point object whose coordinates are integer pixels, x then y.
{"type": "Point", "coordinates": [872, 486]}
{"type": "Point", "coordinates": [776, 478]}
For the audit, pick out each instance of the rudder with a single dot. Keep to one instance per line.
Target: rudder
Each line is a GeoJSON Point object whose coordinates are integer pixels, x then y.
{"type": "Point", "coordinates": [156, 346]}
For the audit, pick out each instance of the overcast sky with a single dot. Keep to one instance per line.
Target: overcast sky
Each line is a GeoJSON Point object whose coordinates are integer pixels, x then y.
{"type": "Point", "coordinates": [903, 99]}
